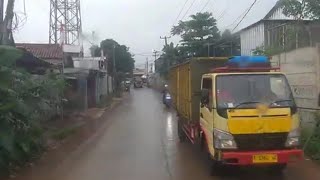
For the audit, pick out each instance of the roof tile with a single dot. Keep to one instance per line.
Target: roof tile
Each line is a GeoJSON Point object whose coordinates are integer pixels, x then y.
{"type": "Point", "coordinates": [42, 51]}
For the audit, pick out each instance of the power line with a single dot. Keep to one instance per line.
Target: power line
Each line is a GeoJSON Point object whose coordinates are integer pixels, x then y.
{"type": "Point", "coordinates": [208, 1]}
{"type": "Point", "coordinates": [238, 18]}
{"type": "Point", "coordinates": [138, 54]}
{"type": "Point", "coordinates": [184, 5]}
{"type": "Point", "coordinates": [224, 12]}
{"type": "Point", "coordinates": [188, 9]}
{"type": "Point", "coordinates": [255, 1]}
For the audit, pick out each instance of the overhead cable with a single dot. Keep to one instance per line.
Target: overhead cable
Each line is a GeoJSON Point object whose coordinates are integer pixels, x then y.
{"type": "Point", "coordinates": [255, 1]}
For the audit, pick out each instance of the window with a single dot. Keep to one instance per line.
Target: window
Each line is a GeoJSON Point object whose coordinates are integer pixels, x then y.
{"type": "Point", "coordinates": [246, 91]}
{"type": "Point", "coordinates": [207, 84]}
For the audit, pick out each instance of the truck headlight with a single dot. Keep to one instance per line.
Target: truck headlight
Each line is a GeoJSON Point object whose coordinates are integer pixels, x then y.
{"type": "Point", "coordinates": [293, 139]}
{"type": "Point", "coordinates": [223, 140]}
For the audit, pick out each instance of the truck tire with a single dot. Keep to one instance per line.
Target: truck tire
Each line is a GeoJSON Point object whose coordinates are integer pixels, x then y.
{"type": "Point", "coordinates": [203, 144]}
{"type": "Point", "coordinates": [216, 168]}
{"type": "Point", "coordinates": [277, 169]}
{"type": "Point", "coordinates": [181, 133]}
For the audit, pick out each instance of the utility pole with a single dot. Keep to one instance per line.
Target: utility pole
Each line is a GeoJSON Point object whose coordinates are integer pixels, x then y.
{"type": "Point", "coordinates": [1, 10]}
{"type": "Point", "coordinates": [151, 65]}
{"type": "Point", "coordinates": [1, 18]}
{"type": "Point", "coordinates": [147, 68]}
{"type": "Point", "coordinates": [114, 66]}
{"type": "Point", "coordinates": [209, 49]}
{"type": "Point", "coordinates": [155, 54]}
{"type": "Point", "coordinates": [6, 28]}
{"type": "Point", "coordinates": [165, 39]}
{"type": "Point", "coordinates": [114, 59]}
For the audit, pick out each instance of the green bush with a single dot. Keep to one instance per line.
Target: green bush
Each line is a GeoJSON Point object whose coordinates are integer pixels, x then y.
{"type": "Point", "coordinates": [311, 140]}
{"type": "Point", "coordinates": [25, 100]}
{"type": "Point", "coordinates": [64, 133]}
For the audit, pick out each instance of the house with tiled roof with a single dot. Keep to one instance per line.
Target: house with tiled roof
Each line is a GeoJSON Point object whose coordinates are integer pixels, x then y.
{"type": "Point", "coordinates": [51, 53]}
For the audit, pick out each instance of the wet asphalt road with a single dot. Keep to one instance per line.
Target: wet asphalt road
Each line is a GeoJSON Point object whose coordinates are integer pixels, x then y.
{"type": "Point", "coordinates": [140, 142]}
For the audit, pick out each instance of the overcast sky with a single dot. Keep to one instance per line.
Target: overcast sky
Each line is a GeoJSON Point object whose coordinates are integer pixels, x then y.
{"type": "Point", "coordinates": [136, 23]}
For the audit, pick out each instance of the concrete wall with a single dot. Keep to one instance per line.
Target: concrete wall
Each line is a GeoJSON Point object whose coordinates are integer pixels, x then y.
{"type": "Point", "coordinates": [88, 63]}
{"type": "Point", "coordinates": [104, 87]}
{"type": "Point", "coordinates": [303, 72]}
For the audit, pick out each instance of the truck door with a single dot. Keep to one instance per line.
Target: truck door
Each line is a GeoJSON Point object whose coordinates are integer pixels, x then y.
{"type": "Point", "coordinates": [206, 114]}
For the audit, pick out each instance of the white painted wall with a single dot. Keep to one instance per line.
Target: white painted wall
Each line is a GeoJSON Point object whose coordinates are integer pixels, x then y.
{"type": "Point", "coordinates": [87, 63]}
{"type": "Point", "coordinates": [302, 67]}
{"type": "Point", "coordinates": [71, 48]}
{"type": "Point", "coordinates": [252, 38]}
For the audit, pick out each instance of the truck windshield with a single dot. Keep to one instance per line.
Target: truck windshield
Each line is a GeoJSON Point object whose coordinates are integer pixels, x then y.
{"type": "Point", "coordinates": [247, 91]}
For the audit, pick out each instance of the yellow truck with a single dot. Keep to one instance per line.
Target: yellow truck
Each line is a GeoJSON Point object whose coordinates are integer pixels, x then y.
{"type": "Point", "coordinates": [239, 109]}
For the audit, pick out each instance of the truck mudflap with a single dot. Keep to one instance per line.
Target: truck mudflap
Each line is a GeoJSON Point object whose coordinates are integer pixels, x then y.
{"type": "Point", "coordinates": [262, 157]}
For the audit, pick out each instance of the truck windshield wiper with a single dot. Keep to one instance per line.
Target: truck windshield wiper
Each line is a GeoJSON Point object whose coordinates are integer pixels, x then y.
{"type": "Point", "coordinates": [244, 103]}
{"type": "Point", "coordinates": [279, 101]}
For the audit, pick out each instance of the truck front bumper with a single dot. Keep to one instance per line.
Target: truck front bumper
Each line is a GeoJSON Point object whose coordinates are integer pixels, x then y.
{"type": "Point", "coordinates": [247, 158]}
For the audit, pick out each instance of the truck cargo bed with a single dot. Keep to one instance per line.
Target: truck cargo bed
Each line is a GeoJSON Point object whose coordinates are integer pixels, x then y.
{"type": "Point", "coordinates": [185, 83]}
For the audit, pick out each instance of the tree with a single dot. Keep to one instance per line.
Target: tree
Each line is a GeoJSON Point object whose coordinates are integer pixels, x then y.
{"type": "Point", "coordinates": [195, 33]}
{"type": "Point", "coordinates": [123, 58]}
{"type": "Point", "coordinates": [301, 9]}
{"type": "Point", "coordinates": [227, 34]}
{"type": "Point", "coordinates": [169, 57]}
{"type": "Point", "coordinates": [95, 51]}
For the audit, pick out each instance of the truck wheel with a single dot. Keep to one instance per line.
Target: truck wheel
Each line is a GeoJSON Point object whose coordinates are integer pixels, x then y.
{"type": "Point", "coordinates": [182, 136]}
{"type": "Point", "coordinates": [277, 169]}
{"type": "Point", "coordinates": [216, 168]}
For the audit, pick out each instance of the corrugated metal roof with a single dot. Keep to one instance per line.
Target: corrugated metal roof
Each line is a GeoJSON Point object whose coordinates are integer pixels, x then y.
{"type": "Point", "coordinates": [275, 14]}
{"type": "Point", "coordinates": [42, 51]}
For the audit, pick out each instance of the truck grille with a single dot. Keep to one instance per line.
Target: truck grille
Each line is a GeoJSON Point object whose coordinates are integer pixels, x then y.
{"type": "Point", "coordinates": [274, 141]}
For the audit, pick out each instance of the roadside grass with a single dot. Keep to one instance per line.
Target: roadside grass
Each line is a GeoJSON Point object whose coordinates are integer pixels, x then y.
{"type": "Point", "coordinates": [62, 134]}
{"type": "Point", "coordinates": [105, 101]}
{"type": "Point", "coordinates": [310, 138]}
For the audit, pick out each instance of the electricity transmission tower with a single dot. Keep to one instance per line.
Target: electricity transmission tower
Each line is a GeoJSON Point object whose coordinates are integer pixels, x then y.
{"type": "Point", "coordinates": [65, 22]}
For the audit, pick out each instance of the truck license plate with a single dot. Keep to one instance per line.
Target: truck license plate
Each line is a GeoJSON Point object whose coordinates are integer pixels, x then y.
{"type": "Point", "coordinates": [265, 158]}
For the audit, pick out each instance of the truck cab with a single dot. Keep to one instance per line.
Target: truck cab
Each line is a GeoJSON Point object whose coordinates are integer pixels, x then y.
{"type": "Point", "coordinates": [248, 115]}
{"type": "Point", "coordinates": [138, 83]}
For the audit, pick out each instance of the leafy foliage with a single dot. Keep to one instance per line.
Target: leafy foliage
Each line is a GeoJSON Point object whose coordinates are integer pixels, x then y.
{"type": "Point", "coordinates": [227, 34]}
{"type": "Point", "coordinates": [311, 140]}
{"type": "Point", "coordinates": [195, 33]}
{"type": "Point", "coordinates": [95, 51]}
{"type": "Point", "coordinates": [266, 51]}
{"type": "Point", "coordinates": [123, 58]}
{"type": "Point", "coordinates": [25, 100]}
{"type": "Point", "coordinates": [169, 57]}
{"type": "Point", "coordinates": [301, 9]}
{"type": "Point", "coordinates": [201, 29]}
